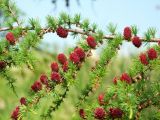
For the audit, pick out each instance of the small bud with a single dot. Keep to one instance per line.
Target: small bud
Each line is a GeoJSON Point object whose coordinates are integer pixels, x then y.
{"type": "Point", "coordinates": [10, 38]}
{"type": "Point", "coordinates": [91, 41]}
{"type": "Point", "coordinates": [127, 33]}
{"type": "Point", "coordinates": [23, 101]}
{"type": "Point", "coordinates": [54, 67]}
{"type": "Point", "coordinates": [62, 32]}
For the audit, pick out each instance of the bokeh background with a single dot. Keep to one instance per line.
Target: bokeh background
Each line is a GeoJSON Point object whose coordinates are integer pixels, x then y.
{"type": "Point", "coordinates": [143, 13]}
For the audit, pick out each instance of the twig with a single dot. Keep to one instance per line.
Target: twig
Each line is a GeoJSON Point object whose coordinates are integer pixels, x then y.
{"type": "Point", "coordinates": [79, 31]}
{"type": "Point", "coordinates": [144, 105]}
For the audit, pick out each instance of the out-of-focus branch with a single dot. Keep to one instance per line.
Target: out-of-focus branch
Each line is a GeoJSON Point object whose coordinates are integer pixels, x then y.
{"type": "Point", "coordinates": [144, 105]}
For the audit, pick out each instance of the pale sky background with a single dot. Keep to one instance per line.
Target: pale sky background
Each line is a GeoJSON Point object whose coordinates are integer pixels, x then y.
{"type": "Point", "coordinates": [142, 13]}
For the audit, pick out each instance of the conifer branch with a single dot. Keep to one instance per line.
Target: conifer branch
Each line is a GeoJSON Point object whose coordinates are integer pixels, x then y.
{"type": "Point", "coordinates": [97, 72]}
{"type": "Point", "coordinates": [79, 31]}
